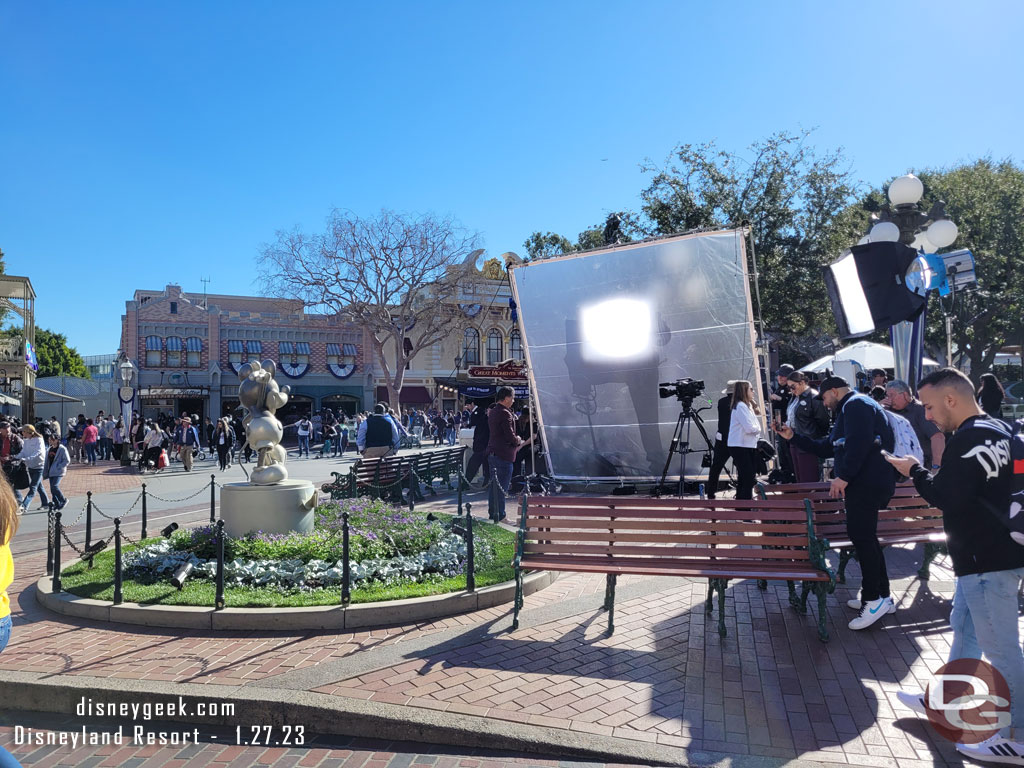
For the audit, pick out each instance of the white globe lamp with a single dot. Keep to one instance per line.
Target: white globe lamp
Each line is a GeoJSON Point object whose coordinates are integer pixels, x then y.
{"type": "Point", "coordinates": [942, 232]}
{"type": "Point", "coordinates": [885, 232]}
{"type": "Point", "coordinates": [906, 190]}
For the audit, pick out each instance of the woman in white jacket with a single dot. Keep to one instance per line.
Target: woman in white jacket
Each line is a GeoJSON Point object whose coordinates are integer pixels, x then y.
{"type": "Point", "coordinates": [33, 453]}
{"type": "Point", "coordinates": [744, 431]}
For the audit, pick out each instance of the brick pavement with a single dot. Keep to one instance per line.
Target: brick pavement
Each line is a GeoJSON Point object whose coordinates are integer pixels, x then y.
{"type": "Point", "coordinates": [666, 677]}
{"type": "Point", "coordinates": [105, 477]}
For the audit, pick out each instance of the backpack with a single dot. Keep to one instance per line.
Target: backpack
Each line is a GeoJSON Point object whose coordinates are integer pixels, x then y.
{"type": "Point", "coordinates": [907, 443]}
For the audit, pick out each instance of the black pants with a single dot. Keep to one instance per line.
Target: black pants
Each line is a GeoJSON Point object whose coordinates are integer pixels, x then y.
{"type": "Point", "coordinates": [862, 505]}
{"type": "Point", "coordinates": [744, 462]}
{"type": "Point", "coordinates": [223, 451]}
{"type": "Point", "coordinates": [476, 460]}
{"type": "Point", "coordinates": [718, 459]}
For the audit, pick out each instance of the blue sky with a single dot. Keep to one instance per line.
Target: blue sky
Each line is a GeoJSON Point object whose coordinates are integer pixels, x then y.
{"type": "Point", "coordinates": [147, 143]}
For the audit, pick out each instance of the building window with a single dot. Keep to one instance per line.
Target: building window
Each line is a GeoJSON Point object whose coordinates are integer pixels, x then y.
{"type": "Point", "coordinates": [193, 352]}
{"type": "Point", "coordinates": [235, 351]}
{"type": "Point", "coordinates": [495, 347]}
{"type": "Point", "coordinates": [471, 347]}
{"type": "Point", "coordinates": [174, 307]}
{"type": "Point", "coordinates": [254, 349]}
{"type": "Point", "coordinates": [154, 345]}
{"type": "Point", "coordinates": [174, 346]}
{"type": "Point", "coordinates": [515, 346]}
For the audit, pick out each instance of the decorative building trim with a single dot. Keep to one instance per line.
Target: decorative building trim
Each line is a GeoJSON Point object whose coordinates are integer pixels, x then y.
{"type": "Point", "coordinates": [342, 371]}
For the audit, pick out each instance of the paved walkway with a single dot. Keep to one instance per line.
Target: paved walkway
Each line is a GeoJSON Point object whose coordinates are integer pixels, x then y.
{"type": "Point", "coordinates": [665, 678]}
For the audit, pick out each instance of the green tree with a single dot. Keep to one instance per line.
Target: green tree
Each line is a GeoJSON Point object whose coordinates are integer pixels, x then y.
{"type": "Point", "coordinates": [55, 357]}
{"type": "Point", "coordinates": [797, 203]}
{"type": "Point", "coordinates": [542, 246]}
{"type": "Point", "coordinates": [986, 200]}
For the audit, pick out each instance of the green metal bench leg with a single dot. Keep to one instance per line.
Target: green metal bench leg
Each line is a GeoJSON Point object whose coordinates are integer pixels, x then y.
{"type": "Point", "coordinates": [845, 556]}
{"type": "Point", "coordinates": [609, 591]}
{"type": "Point", "coordinates": [805, 588]}
{"type": "Point", "coordinates": [794, 598]}
{"type": "Point", "coordinates": [609, 602]}
{"type": "Point", "coordinates": [518, 601]}
{"type": "Point", "coordinates": [762, 584]}
{"type": "Point", "coordinates": [821, 590]}
{"type": "Point", "coordinates": [722, 583]}
{"type": "Point", "coordinates": [931, 551]}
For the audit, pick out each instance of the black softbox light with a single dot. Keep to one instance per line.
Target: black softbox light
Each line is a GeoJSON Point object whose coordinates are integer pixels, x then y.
{"type": "Point", "coordinates": [867, 288]}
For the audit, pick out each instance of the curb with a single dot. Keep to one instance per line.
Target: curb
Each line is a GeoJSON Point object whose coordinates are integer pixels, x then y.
{"type": "Point", "coordinates": [325, 715]}
{"type": "Point", "coordinates": [359, 616]}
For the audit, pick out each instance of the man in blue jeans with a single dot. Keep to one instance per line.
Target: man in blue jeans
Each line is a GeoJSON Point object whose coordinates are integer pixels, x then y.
{"type": "Point", "coordinates": [502, 447]}
{"type": "Point", "coordinates": [973, 484]}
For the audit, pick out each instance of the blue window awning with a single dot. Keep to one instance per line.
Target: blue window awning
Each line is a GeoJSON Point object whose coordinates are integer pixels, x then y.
{"type": "Point", "coordinates": [285, 348]}
{"type": "Point", "coordinates": [254, 347]}
{"type": "Point", "coordinates": [350, 350]}
{"type": "Point", "coordinates": [334, 349]}
{"type": "Point", "coordinates": [154, 343]}
{"type": "Point", "coordinates": [302, 347]}
{"type": "Point", "coordinates": [194, 344]}
{"type": "Point", "coordinates": [235, 347]}
{"type": "Point", "coordinates": [173, 344]}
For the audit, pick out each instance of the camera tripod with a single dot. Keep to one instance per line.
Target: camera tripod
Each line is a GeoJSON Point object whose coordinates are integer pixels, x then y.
{"type": "Point", "coordinates": [688, 417]}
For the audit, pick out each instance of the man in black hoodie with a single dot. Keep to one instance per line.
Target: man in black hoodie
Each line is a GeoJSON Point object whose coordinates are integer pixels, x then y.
{"type": "Point", "coordinates": [976, 480]}
{"type": "Point", "coordinates": [864, 479]}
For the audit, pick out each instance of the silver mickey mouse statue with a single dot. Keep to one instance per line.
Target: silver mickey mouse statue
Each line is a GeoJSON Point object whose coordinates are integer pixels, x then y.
{"type": "Point", "coordinates": [260, 395]}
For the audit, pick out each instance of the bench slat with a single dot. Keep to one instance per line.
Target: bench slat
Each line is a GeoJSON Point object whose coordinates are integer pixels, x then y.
{"type": "Point", "coordinates": [681, 537]}
{"type": "Point", "coordinates": [696, 570]}
{"type": "Point", "coordinates": [792, 514]}
{"type": "Point", "coordinates": [675, 553]}
{"type": "Point", "coordinates": [636, 502]}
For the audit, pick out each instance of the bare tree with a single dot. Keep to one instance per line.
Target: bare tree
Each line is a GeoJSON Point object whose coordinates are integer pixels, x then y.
{"type": "Point", "coordinates": [397, 275]}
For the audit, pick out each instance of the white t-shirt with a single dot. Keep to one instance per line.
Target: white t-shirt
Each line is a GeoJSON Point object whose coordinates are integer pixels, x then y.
{"type": "Point", "coordinates": [744, 428]}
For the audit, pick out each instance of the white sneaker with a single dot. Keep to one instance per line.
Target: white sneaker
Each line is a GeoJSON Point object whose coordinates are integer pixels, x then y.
{"type": "Point", "coordinates": [994, 750]}
{"type": "Point", "coordinates": [871, 612]}
{"type": "Point", "coordinates": [856, 604]}
{"type": "Point", "coordinates": [912, 701]}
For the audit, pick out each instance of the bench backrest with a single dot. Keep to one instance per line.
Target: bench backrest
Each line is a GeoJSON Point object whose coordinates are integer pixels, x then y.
{"type": "Point", "coordinates": [382, 470]}
{"type": "Point", "coordinates": [777, 531]}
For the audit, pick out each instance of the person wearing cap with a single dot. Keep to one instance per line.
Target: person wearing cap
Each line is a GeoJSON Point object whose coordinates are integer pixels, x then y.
{"type": "Point", "coordinates": [864, 479]}
{"type": "Point", "coordinates": [779, 397]}
{"type": "Point", "coordinates": [720, 454]}
{"type": "Point", "coordinates": [189, 442]}
{"type": "Point", "coordinates": [807, 416]}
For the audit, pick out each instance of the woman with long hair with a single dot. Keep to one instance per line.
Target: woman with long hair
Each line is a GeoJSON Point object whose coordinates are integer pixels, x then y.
{"type": "Point", "coordinates": [744, 430]}
{"type": "Point", "coordinates": [222, 440]}
{"type": "Point", "coordinates": [8, 527]}
{"type": "Point", "coordinates": [33, 453]}
{"type": "Point", "coordinates": [56, 466]}
{"type": "Point", "coordinates": [990, 395]}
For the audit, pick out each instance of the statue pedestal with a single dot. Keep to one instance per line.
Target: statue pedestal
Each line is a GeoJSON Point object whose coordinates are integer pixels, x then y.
{"type": "Point", "coordinates": [280, 508]}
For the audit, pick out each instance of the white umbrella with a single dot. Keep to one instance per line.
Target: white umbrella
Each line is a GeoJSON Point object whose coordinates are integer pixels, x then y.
{"type": "Point", "coordinates": [865, 353]}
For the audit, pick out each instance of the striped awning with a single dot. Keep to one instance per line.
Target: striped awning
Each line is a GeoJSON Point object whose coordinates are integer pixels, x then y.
{"type": "Point", "coordinates": [173, 344]}
{"type": "Point", "coordinates": [153, 343]}
{"type": "Point", "coordinates": [235, 346]}
{"type": "Point", "coordinates": [194, 344]}
{"type": "Point", "coordinates": [254, 347]}
{"type": "Point", "coordinates": [334, 349]}
{"type": "Point", "coordinates": [350, 350]}
{"type": "Point", "coordinates": [302, 347]}
{"type": "Point", "coordinates": [285, 348]}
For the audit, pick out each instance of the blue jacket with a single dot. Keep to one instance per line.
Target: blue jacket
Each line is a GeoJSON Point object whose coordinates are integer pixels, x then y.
{"type": "Point", "coordinates": [59, 467]}
{"type": "Point", "coordinates": [861, 429]}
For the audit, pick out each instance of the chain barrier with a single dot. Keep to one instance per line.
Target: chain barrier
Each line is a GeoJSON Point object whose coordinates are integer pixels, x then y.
{"type": "Point", "coordinates": [152, 495]}
{"type": "Point", "coordinates": [92, 545]}
{"type": "Point", "coordinates": [134, 504]}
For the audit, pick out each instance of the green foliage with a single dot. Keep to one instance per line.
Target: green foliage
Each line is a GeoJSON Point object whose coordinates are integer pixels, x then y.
{"type": "Point", "coordinates": [97, 582]}
{"type": "Point", "coordinates": [542, 246]}
{"type": "Point", "coordinates": [55, 357]}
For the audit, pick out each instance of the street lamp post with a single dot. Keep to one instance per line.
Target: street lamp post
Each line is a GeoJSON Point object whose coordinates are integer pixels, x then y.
{"type": "Point", "coordinates": [126, 397]}
{"type": "Point", "coordinates": [903, 221]}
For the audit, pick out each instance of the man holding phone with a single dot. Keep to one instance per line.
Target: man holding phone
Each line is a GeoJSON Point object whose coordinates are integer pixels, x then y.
{"type": "Point", "coordinates": [864, 478]}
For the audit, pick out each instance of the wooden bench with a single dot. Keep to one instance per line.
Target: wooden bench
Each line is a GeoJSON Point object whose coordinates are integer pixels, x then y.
{"type": "Point", "coordinates": [906, 519]}
{"type": "Point", "coordinates": [383, 477]}
{"type": "Point", "coordinates": [388, 477]}
{"type": "Point", "coordinates": [695, 538]}
{"type": "Point", "coordinates": [440, 465]}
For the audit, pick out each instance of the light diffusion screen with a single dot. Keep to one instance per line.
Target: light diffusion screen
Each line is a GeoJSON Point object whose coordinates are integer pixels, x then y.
{"type": "Point", "coordinates": [602, 329]}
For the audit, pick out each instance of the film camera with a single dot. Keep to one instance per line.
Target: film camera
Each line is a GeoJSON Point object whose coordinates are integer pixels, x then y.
{"type": "Point", "coordinates": [684, 390]}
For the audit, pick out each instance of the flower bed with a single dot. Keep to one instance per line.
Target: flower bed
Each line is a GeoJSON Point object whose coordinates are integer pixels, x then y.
{"type": "Point", "coordinates": [394, 553]}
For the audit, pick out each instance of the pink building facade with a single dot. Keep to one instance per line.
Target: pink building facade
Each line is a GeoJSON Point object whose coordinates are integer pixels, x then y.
{"type": "Point", "coordinates": [188, 348]}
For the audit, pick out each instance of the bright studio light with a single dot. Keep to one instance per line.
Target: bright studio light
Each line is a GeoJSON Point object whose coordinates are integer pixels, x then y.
{"type": "Point", "coordinates": [616, 329]}
{"type": "Point", "coordinates": [855, 307]}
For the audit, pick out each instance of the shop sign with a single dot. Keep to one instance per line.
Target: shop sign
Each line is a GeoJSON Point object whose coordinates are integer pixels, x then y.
{"type": "Point", "coordinates": [510, 370]}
